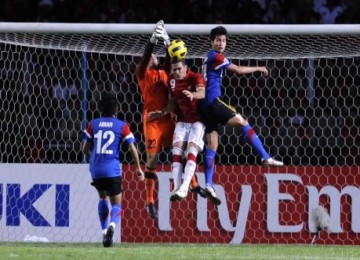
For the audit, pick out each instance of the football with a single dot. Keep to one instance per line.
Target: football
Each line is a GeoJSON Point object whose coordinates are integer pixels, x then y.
{"type": "Point", "coordinates": [177, 49]}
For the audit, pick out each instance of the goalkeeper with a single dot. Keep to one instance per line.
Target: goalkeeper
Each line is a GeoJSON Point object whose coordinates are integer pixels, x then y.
{"type": "Point", "coordinates": [153, 82]}
{"type": "Point", "coordinates": [216, 112]}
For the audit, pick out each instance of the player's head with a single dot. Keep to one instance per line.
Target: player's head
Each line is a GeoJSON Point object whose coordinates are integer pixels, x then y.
{"type": "Point", "coordinates": [218, 37]}
{"type": "Point", "coordinates": [109, 105]}
{"type": "Point", "coordinates": [178, 68]}
{"type": "Point", "coordinates": [153, 62]}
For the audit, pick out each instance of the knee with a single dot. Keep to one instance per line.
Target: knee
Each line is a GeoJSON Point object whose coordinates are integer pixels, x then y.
{"type": "Point", "coordinates": [192, 150]}
{"type": "Point", "coordinates": [102, 195]}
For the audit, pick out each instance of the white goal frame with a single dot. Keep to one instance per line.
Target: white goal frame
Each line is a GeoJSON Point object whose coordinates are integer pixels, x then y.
{"type": "Point", "coordinates": [178, 29]}
{"type": "Point", "coordinates": [344, 37]}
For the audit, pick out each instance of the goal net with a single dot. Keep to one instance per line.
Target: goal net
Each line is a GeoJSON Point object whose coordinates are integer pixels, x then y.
{"type": "Point", "coordinates": [306, 113]}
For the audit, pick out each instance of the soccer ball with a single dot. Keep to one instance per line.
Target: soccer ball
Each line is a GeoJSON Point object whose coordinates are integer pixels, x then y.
{"type": "Point", "coordinates": [177, 50]}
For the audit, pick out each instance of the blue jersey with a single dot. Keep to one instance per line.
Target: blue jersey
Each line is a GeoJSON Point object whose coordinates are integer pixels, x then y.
{"type": "Point", "coordinates": [106, 134]}
{"type": "Point", "coordinates": [213, 68]}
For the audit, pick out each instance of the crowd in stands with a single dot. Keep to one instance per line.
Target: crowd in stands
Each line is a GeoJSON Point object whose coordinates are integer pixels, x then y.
{"type": "Point", "coordinates": [185, 11]}
{"type": "Point", "coordinates": [43, 109]}
{"type": "Point", "coordinates": [48, 99]}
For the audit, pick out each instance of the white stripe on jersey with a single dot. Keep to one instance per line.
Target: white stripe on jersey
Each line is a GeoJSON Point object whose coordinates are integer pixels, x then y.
{"type": "Point", "coordinates": [87, 134]}
{"type": "Point", "coordinates": [226, 61]}
{"type": "Point", "coordinates": [128, 137]}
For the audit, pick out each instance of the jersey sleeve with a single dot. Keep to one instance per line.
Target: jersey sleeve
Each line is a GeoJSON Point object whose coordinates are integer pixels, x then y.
{"type": "Point", "coordinates": [220, 61]}
{"type": "Point", "coordinates": [126, 135]}
{"type": "Point", "coordinates": [199, 80]}
{"type": "Point", "coordinates": [88, 133]}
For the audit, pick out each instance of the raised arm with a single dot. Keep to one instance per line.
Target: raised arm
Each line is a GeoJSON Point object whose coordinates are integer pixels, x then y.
{"type": "Point", "coordinates": [167, 63]}
{"type": "Point", "coordinates": [141, 67]}
{"type": "Point", "coordinates": [247, 69]}
{"type": "Point", "coordinates": [159, 33]}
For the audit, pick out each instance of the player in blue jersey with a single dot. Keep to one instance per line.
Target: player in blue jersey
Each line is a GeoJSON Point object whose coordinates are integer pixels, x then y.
{"type": "Point", "coordinates": [217, 112]}
{"type": "Point", "coordinates": [101, 147]}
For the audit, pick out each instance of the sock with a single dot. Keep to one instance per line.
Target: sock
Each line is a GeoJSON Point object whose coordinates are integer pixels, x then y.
{"type": "Point", "coordinates": [252, 138]}
{"type": "Point", "coordinates": [149, 185]}
{"type": "Point", "coordinates": [209, 162]}
{"type": "Point", "coordinates": [103, 211]}
{"type": "Point", "coordinates": [116, 212]}
{"type": "Point", "coordinates": [177, 167]}
{"type": "Point", "coordinates": [189, 171]}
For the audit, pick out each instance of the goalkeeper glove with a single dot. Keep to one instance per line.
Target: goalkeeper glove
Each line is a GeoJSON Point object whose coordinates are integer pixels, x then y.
{"type": "Point", "coordinates": [160, 33]}
{"type": "Point", "coordinates": [164, 35]}
{"type": "Point", "coordinates": [157, 32]}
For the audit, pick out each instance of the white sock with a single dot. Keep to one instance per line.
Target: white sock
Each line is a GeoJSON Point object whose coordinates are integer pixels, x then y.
{"type": "Point", "coordinates": [112, 224]}
{"type": "Point", "coordinates": [177, 169]}
{"type": "Point", "coordinates": [189, 172]}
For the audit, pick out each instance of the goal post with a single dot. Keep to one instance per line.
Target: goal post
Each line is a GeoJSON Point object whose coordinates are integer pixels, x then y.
{"type": "Point", "coordinates": [246, 41]}
{"type": "Point", "coordinates": [307, 113]}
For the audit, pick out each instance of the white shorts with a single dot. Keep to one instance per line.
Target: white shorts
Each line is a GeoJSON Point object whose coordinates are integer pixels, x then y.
{"type": "Point", "coordinates": [190, 132]}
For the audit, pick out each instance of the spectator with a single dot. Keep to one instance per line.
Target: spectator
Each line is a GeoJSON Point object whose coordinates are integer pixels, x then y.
{"type": "Point", "coordinates": [63, 91]}
{"type": "Point", "coordinates": [329, 10]}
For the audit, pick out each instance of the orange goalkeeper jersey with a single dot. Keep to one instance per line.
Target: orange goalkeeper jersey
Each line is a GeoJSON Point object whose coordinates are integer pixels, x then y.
{"type": "Point", "coordinates": [154, 91]}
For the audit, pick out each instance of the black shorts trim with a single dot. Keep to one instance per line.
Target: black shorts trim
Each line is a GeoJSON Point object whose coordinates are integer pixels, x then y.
{"type": "Point", "coordinates": [217, 113]}
{"type": "Point", "coordinates": [112, 186]}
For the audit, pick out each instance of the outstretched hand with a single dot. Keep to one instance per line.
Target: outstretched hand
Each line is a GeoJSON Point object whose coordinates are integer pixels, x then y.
{"type": "Point", "coordinates": [188, 94]}
{"type": "Point", "coordinates": [155, 115]}
{"type": "Point", "coordinates": [157, 31]}
{"type": "Point", "coordinates": [264, 71]}
{"type": "Point", "coordinates": [160, 33]}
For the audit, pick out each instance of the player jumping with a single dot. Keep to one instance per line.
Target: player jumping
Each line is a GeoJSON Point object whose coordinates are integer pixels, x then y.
{"type": "Point", "coordinates": [153, 82]}
{"type": "Point", "coordinates": [216, 112]}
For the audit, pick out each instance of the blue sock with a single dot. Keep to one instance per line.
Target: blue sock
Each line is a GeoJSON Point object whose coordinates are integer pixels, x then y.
{"type": "Point", "coordinates": [252, 138]}
{"type": "Point", "coordinates": [103, 210]}
{"type": "Point", "coordinates": [209, 164]}
{"type": "Point", "coordinates": [115, 213]}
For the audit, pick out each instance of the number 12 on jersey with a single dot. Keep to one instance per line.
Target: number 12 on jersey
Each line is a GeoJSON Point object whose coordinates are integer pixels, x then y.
{"type": "Point", "coordinates": [108, 137]}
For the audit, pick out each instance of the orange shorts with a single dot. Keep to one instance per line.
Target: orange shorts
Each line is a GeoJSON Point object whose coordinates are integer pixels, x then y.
{"type": "Point", "coordinates": [158, 135]}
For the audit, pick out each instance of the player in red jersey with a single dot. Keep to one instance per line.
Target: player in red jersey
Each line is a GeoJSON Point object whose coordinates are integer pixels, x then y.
{"type": "Point", "coordinates": [186, 87]}
{"type": "Point", "coordinates": [153, 82]}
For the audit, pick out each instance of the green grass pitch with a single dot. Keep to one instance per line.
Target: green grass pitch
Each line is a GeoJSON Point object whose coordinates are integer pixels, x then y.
{"type": "Point", "coordinates": [45, 251]}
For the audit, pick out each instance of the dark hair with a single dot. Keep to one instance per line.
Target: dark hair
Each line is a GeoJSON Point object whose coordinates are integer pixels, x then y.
{"type": "Point", "coordinates": [176, 60]}
{"type": "Point", "coordinates": [108, 104]}
{"type": "Point", "coordinates": [220, 30]}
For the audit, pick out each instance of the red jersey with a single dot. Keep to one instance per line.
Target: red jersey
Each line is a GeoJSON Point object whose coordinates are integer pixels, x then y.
{"type": "Point", "coordinates": [188, 111]}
